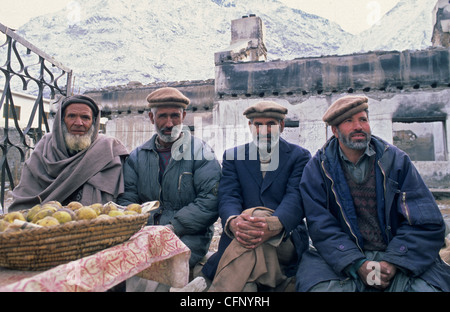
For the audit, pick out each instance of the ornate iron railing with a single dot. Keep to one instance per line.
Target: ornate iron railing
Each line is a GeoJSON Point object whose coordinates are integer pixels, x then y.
{"type": "Point", "coordinates": [40, 76]}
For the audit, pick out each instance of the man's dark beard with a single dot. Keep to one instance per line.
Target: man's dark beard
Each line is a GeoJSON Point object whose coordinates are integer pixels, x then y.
{"type": "Point", "coordinates": [358, 145]}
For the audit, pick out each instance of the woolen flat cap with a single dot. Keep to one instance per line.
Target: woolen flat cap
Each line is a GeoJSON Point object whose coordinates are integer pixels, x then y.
{"type": "Point", "coordinates": [345, 107]}
{"type": "Point", "coordinates": [80, 99]}
{"type": "Point", "coordinates": [266, 109]}
{"type": "Point", "coordinates": [167, 96]}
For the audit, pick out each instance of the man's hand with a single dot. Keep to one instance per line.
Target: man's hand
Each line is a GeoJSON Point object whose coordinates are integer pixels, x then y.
{"type": "Point", "coordinates": [250, 231]}
{"type": "Point", "coordinates": [387, 272]}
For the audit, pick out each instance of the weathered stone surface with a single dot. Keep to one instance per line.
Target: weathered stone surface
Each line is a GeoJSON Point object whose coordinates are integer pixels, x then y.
{"type": "Point", "coordinates": [365, 72]}
{"type": "Point", "coordinates": [247, 42]}
{"type": "Point", "coordinates": [132, 98]}
{"type": "Point", "coordinates": [402, 87]}
{"type": "Point", "coordinates": [441, 24]}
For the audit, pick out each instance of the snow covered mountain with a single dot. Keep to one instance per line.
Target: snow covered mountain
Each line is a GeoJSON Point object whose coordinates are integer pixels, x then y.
{"type": "Point", "coordinates": [113, 42]}
{"type": "Point", "coordinates": [408, 26]}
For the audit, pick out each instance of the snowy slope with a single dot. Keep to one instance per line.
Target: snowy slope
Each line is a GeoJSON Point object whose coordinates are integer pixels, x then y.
{"type": "Point", "coordinates": [407, 26]}
{"type": "Point", "coordinates": [112, 42]}
{"type": "Point", "coordinates": [118, 41]}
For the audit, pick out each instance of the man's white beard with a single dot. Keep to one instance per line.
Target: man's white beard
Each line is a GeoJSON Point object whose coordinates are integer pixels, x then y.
{"type": "Point", "coordinates": [76, 143]}
{"type": "Point", "coordinates": [172, 137]}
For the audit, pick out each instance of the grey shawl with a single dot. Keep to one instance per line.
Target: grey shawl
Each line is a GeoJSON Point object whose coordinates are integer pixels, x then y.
{"type": "Point", "coordinates": [51, 174]}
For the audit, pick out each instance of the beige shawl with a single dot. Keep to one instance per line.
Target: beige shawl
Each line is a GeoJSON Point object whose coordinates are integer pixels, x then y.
{"type": "Point", "coordinates": [263, 264]}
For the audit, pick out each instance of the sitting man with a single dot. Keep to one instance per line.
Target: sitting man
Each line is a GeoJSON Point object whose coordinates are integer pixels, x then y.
{"type": "Point", "coordinates": [259, 206]}
{"type": "Point", "coordinates": [178, 170]}
{"type": "Point", "coordinates": [73, 162]}
{"type": "Point", "coordinates": [373, 222]}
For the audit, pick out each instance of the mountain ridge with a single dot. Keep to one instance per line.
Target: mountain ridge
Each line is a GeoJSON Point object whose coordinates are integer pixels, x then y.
{"type": "Point", "coordinates": [113, 42]}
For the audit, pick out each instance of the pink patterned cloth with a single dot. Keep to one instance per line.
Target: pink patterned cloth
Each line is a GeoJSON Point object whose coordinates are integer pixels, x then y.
{"type": "Point", "coordinates": [154, 253]}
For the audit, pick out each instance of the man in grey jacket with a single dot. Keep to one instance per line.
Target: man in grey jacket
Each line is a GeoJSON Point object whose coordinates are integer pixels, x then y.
{"type": "Point", "coordinates": [178, 170]}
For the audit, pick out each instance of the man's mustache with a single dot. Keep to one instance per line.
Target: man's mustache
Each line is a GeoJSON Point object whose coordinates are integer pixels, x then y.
{"type": "Point", "coordinates": [168, 129]}
{"type": "Point", "coordinates": [359, 132]}
{"type": "Point", "coordinates": [268, 136]}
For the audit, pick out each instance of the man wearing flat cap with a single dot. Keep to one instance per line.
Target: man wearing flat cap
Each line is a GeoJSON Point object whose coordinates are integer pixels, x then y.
{"type": "Point", "coordinates": [259, 206]}
{"type": "Point", "coordinates": [177, 169]}
{"type": "Point", "coordinates": [373, 222]}
{"type": "Point", "coordinates": [73, 162]}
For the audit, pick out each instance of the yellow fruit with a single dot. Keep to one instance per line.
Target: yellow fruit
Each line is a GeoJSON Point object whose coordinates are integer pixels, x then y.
{"type": "Point", "coordinates": [130, 212]}
{"type": "Point", "coordinates": [86, 213]}
{"type": "Point", "coordinates": [134, 207]}
{"type": "Point", "coordinates": [48, 221]}
{"type": "Point", "coordinates": [108, 207]}
{"type": "Point", "coordinates": [44, 212]}
{"type": "Point", "coordinates": [53, 203]}
{"type": "Point", "coordinates": [115, 213]}
{"type": "Point", "coordinates": [62, 216]}
{"type": "Point", "coordinates": [32, 212]}
{"type": "Point", "coordinates": [4, 225]}
{"type": "Point", "coordinates": [74, 205]}
{"type": "Point", "coordinates": [11, 216]}
{"type": "Point", "coordinates": [98, 208]}
{"type": "Point", "coordinates": [72, 213]}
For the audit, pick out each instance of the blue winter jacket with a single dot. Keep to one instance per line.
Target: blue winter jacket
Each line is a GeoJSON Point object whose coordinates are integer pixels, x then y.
{"type": "Point", "coordinates": [410, 220]}
{"type": "Point", "coordinates": [242, 186]}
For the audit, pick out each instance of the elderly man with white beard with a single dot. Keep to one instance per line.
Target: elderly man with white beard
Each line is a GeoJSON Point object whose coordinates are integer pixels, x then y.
{"type": "Point", "coordinates": [73, 162]}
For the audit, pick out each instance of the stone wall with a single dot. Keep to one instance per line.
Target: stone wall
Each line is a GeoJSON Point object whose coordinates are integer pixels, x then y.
{"type": "Point", "coordinates": [404, 88]}
{"type": "Point", "coordinates": [310, 132]}
{"type": "Point", "coordinates": [125, 112]}
{"type": "Point", "coordinates": [441, 24]}
{"type": "Point", "coordinates": [384, 71]}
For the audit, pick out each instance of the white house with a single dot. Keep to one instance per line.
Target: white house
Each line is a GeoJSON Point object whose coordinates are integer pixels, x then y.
{"type": "Point", "coordinates": [23, 105]}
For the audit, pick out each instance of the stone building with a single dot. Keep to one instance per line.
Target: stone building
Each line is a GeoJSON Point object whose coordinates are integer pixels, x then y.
{"type": "Point", "coordinates": [408, 91]}
{"type": "Point", "coordinates": [441, 24]}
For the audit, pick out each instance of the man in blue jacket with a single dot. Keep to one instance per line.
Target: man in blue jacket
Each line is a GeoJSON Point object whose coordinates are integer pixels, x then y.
{"type": "Point", "coordinates": [259, 206]}
{"type": "Point", "coordinates": [373, 222]}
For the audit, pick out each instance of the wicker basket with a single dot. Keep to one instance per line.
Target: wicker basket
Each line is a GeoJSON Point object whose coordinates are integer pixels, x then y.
{"type": "Point", "coordinates": [46, 247]}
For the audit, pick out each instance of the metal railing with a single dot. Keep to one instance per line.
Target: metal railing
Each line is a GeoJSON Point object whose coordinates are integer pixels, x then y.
{"type": "Point", "coordinates": [43, 77]}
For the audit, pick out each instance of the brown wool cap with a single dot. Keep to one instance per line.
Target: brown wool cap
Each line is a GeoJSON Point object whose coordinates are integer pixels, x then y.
{"type": "Point", "coordinates": [167, 96]}
{"type": "Point", "coordinates": [345, 107]}
{"type": "Point", "coordinates": [266, 109]}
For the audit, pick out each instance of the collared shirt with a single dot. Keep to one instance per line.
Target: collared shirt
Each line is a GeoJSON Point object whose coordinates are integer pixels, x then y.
{"type": "Point", "coordinates": [360, 169]}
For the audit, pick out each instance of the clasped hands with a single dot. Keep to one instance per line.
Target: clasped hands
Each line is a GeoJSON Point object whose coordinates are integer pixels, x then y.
{"type": "Point", "coordinates": [250, 231]}
{"type": "Point", "coordinates": [387, 272]}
